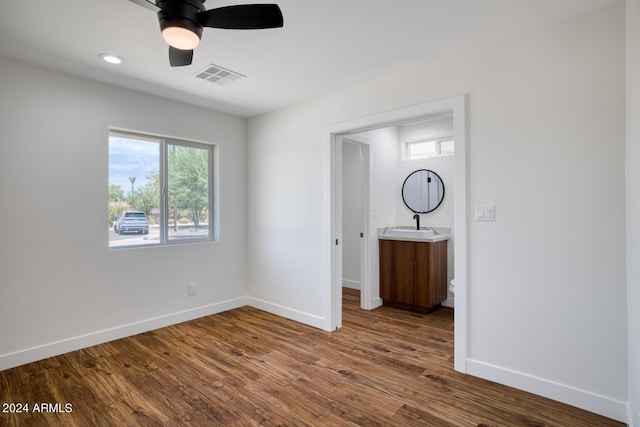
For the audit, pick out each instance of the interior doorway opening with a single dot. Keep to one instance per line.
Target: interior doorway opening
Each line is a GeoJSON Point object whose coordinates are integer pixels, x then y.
{"type": "Point", "coordinates": [351, 132]}
{"type": "Point", "coordinates": [355, 218]}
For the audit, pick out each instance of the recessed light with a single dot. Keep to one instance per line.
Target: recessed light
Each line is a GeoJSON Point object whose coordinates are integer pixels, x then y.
{"type": "Point", "coordinates": [111, 58]}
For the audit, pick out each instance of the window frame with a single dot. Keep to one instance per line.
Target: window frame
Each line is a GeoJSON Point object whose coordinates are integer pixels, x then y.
{"type": "Point", "coordinates": [163, 152]}
{"type": "Point", "coordinates": [438, 150]}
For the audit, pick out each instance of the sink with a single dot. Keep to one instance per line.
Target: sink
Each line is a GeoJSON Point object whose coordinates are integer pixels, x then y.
{"type": "Point", "coordinates": [409, 232]}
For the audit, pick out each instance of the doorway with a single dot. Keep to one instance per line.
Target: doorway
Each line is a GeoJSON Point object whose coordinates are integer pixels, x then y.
{"type": "Point", "coordinates": [370, 287]}
{"type": "Point", "coordinates": [355, 206]}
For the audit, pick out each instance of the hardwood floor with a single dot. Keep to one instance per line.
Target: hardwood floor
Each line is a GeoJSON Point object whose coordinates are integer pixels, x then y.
{"type": "Point", "coordinates": [246, 367]}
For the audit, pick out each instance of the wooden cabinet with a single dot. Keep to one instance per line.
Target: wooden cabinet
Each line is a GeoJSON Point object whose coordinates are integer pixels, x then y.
{"type": "Point", "coordinates": [413, 275]}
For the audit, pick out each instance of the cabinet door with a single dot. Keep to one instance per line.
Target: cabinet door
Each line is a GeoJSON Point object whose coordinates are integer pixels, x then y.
{"type": "Point", "coordinates": [397, 271]}
{"type": "Point", "coordinates": [431, 273]}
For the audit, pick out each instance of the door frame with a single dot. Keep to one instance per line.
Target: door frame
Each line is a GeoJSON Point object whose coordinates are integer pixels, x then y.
{"type": "Point", "coordinates": [369, 296]}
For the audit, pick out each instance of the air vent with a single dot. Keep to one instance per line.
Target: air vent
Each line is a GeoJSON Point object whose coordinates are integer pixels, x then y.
{"type": "Point", "coordinates": [218, 75]}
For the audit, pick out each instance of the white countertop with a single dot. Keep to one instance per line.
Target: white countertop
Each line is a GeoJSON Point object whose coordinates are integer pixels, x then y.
{"type": "Point", "coordinates": [410, 234]}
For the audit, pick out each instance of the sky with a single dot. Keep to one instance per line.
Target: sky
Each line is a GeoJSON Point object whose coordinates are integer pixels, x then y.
{"type": "Point", "coordinates": [130, 157]}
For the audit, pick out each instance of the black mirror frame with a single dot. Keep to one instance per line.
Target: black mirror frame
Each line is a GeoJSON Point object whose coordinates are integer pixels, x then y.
{"type": "Point", "coordinates": [441, 198]}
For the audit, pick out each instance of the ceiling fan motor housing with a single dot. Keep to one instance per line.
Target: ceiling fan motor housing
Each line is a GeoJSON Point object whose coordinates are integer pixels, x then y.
{"type": "Point", "coordinates": [181, 13]}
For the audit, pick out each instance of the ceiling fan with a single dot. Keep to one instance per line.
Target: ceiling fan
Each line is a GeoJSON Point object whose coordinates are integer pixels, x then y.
{"type": "Point", "coordinates": [182, 22]}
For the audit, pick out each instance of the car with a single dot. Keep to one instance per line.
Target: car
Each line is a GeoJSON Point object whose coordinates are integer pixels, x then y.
{"type": "Point", "coordinates": [131, 222]}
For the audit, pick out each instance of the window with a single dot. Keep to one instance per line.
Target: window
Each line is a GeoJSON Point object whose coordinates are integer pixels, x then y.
{"type": "Point", "coordinates": [429, 148]}
{"type": "Point", "coordinates": [160, 190]}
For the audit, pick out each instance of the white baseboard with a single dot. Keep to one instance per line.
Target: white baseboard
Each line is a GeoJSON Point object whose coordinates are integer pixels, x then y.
{"type": "Point", "coordinates": [351, 284]}
{"type": "Point", "coordinates": [377, 302]}
{"type": "Point", "coordinates": [290, 313]}
{"type": "Point", "coordinates": [448, 302]}
{"type": "Point", "coordinates": [592, 402]}
{"type": "Point", "coordinates": [21, 357]}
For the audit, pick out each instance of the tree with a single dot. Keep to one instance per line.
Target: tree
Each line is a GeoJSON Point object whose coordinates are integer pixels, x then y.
{"type": "Point", "coordinates": [116, 193]}
{"type": "Point", "coordinates": [116, 202]}
{"type": "Point", "coordinates": [133, 180]}
{"type": "Point", "coordinates": [148, 197]}
{"type": "Point", "coordinates": [189, 181]}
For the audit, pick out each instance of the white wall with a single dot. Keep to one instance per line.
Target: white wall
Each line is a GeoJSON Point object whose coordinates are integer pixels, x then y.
{"type": "Point", "coordinates": [383, 167]}
{"type": "Point", "coordinates": [428, 129]}
{"type": "Point", "coordinates": [546, 288]}
{"type": "Point", "coordinates": [392, 197]}
{"type": "Point", "coordinates": [384, 163]}
{"type": "Point", "coordinates": [60, 286]}
{"type": "Point", "coordinates": [632, 156]}
{"type": "Point", "coordinates": [443, 166]}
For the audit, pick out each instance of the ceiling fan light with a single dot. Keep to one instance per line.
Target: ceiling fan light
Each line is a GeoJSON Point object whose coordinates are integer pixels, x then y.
{"type": "Point", "coordinates": [180, 38]}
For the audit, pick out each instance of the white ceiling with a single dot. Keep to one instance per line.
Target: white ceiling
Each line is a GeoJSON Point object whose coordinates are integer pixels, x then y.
{"type": "Point", "coordinates": [325, 45]}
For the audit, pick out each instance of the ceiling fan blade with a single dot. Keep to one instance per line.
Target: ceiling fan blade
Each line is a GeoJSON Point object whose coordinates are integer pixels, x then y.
{"type": "Point", "coordinates": [243, 17]}
{"type": "Point", "coordinates": [179, 58]}
{"type": "Point", "coordinates": [147, 4]}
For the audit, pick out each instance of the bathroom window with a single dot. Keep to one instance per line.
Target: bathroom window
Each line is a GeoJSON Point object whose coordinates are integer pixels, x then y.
{"type": "Point", "coordinates": [429, 148]}
{"type": "Point", "coordinates": [160, 190]}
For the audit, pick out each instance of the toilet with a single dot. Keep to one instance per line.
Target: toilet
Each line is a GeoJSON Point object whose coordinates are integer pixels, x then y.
{"type": "Point", "coordinates": [452, 287]}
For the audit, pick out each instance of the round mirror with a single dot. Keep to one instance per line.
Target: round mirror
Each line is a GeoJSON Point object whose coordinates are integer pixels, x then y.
{"type": "Point", "coordinates": [423, 191]}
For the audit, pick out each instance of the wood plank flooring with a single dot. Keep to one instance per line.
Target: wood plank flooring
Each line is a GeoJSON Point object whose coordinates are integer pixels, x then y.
{"type": "Point", "coordinates": [245, 367]}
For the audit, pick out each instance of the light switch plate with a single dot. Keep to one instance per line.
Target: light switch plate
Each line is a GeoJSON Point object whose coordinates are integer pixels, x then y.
{"type": "Point", "coordinates": [485, 212]}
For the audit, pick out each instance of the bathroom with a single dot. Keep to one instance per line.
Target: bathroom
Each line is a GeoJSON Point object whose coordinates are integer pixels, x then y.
{"type": "Point", "coordinates": [375, 164]}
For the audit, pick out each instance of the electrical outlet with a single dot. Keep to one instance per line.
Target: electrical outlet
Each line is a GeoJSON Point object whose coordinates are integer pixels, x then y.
{"type": "Point", "coordinates": [191, 288]}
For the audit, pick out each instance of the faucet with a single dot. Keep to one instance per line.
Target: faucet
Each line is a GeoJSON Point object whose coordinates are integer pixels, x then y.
{"type": "Point", "coordinates": [417, 218]}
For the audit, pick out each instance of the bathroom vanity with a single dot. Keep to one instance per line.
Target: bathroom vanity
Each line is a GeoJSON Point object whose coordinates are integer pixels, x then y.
{"type": "Point", "coordinates": [413, 268]}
